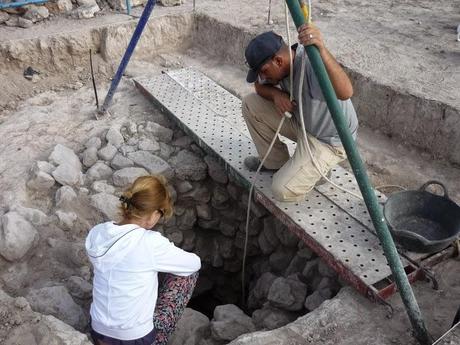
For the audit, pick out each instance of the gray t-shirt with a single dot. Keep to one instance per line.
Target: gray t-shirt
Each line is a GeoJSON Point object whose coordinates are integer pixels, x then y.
{"type": "Point", "coordinates": [318, 119]}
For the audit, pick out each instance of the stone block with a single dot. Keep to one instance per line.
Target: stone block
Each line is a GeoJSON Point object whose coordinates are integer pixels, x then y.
{"type": "Point", "coordinates": [288, 294]}
{"type": "Point", "coordinates": [126, 176]}
{"type": "Point", "coordinates": [17, 236]}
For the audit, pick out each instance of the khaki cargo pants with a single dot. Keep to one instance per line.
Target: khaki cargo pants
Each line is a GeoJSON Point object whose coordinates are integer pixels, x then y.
{"type": "Point", "coordinates": [297, 175]}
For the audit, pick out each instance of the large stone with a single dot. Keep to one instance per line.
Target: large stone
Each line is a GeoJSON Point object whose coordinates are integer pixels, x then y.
{"type": "Point", "coordinates": [68, 175]}
{"type": "Point", "coordinates": [169, 3]}
{"type": "Point", "coordinates": [199, 194]}
{"type": "Point", "coordinates": [325, 270]}
{"type": "Point", "coordinates": [204, 211]}
{"type": "Point", "coordinates": [107, 152]}
{"type": "Point", "coordinates": [126, 176]}
{"type": "Point", "coordinates": [65, 197]}
{"type": "Point", "coordinates": [56, 300]}
{"type": "Point", "coordinates": [183, 187]}
{"type": "Point", "coordinates": [310, 269]}
{"type": "Point", "coordinates": [89, 156]}
{"type": "Point", "coordinates": [113, 135]}
{"type": "Point", "coordinates": [215, 170]}
{"type": "Point", "coordinates": [25, 23]}
{"type": "Point", "coordinates": [254, 226]}
{"type": "Point", "coordinates": [265, 246]}
{"type": "Point", "coordinates": [43, 166]}
{"type": "Point", "coordinates": [154, 164]}
{"type": "Point", "coordinates": [190, 328]}
{"type": "Point", "coordinates": [314, 300]}
{"type": "Point", "coordinates": [288, 294]}
{"type": "Point", "coordinates": [183, 142]}
{"type": "Point", "coordinates": [102, 187]}
{"type": "Point", "coordinates": [12, 21]}
{"type": "Point", "coordinates": [272, 318]}
{"type": "Point", "coordinates": [270, 231]}
{"type": "Point", "coordinates": [66, 219]}
{"type": "Point", "coordinates": [162, 133]}
{"type": "Point", "coordinates": [17, 236]}
{"type": "Point", "coordinates": [36, 13]}
{"type": "Point", "coordinates": [85, 12]}
{"type": "Point", "coordinates": [228, 227]}
{"type": "Point", "coordinates": [258, 295]}
{"type": "Point", "coordinates": [125, 149]}
{"type": "Point", "coordinates": [230, 322]}
{"type": "Point", "coordinates": [41, 181]}
{"type": "Point", "coordinates": [107, 204]}
{"type": "Point", "coordinates": [64, 6]}
{"type": "Point", "coordinates": [63, 155]}
{"type": "Point", "coordinates": [219, 196]}
{"type": "Point", "coordinates": [187, 220]}
{"type": "Point", "coordinates": [94, 142]}
{"type": "Point", "coordinates": [99, 171]}
{"type": "Point", "coordinates": [226, 247]}
{"type": "Point", "coordinates": [4, 17]}
{"type": "Point", "coordinates": [120, 162]}
{"type": "Point", "coordinates": [23, 326]}
{"type": "Point", "coordinates": [79, 287]}
{"type": "Point", "coordinates": [189, 166]}
{"type": "Point", "coordinates": [121, 4]}
{"type": "Point", "coordinates": [34, 216]}
{"type": "Point", "coordinates": [286, 237]}
{"type": "Point", "coordinates": [166, 150]}
{"type": "Point", "coordinates": [297, 265]}
{"type": "Point", "coordinates": [148, 145]}
{"type": "Point", "coordinates": [281, 258]}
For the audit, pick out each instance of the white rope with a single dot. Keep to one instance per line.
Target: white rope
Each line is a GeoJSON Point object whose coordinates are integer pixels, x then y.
{"type": "Point", "coordinates": [304, 134]}
{"type": "Point", "coordinates": [286, 115]}
{"type": "Point", "coordinates": [445, 334]}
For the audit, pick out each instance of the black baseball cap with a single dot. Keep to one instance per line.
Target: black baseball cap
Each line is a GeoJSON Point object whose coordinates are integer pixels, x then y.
{"type": "Point", "coordinates": [259, 51]}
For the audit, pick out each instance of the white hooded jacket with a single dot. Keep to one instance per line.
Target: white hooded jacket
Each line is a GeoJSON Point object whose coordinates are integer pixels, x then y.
{"type": "Point", "coordinates": [126, 260]}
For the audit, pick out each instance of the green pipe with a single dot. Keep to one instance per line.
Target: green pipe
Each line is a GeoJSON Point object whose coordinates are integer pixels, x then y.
{"type": "Point", "coordinates": [359, 170]}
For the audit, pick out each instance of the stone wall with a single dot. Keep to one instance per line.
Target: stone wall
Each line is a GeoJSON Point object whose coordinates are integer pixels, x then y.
{"type": "Point", "coordinates": [45, 255]}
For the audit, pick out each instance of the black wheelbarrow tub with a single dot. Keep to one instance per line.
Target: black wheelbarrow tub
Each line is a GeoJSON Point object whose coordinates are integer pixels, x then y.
{"type": "Point", "coordinates": [421, 221]}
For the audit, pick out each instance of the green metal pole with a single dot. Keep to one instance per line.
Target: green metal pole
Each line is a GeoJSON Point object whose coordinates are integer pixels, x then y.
{"type": "Point", "coordinates": [367, 192]}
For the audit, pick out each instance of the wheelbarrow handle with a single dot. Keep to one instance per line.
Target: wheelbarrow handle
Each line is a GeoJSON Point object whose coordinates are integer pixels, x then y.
{"type": "Point", "coordinates": [431, 182]}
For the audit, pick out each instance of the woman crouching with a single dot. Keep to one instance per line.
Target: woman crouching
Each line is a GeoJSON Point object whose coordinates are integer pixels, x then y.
{"type": "Point", "coordinates": [132, 304]}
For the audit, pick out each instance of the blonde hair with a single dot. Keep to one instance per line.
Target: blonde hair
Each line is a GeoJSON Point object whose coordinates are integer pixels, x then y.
{"type": "Point", "coordinates": [146, 195]}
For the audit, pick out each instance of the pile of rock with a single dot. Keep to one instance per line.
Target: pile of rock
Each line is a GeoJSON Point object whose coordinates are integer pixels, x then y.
{"type": "Point", "coordinates": [77, 188]}
{"type": "Point", "coordinates": [24, 17]}
{"type": "Point", "coordinates": [20, 325]}
{"type": "Point", "coordinates": [27, 15]}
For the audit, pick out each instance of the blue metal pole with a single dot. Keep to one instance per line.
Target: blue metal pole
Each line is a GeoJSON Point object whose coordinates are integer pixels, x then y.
{"type": "Point", "coordinates": [129, 51]}
{"type": "Point", "coordinates": [22, 3]}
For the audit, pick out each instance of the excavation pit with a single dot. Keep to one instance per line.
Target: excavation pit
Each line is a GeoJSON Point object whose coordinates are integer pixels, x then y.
{"type": "Point", "coordinates": [65, 115]}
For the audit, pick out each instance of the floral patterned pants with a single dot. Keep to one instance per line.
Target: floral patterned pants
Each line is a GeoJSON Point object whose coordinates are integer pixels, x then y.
{"type": "Point", "coordinates": [174, 292]}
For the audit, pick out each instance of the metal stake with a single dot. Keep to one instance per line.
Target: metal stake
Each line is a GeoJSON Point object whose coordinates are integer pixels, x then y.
{"type": "Point", "coordinates": [129, 51]}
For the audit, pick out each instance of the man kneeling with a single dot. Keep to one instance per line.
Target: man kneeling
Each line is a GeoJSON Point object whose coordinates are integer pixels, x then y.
{"type": "Point", "coordinates": [268, 58]}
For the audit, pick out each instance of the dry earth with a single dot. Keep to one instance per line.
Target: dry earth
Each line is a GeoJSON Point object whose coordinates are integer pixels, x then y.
{"type": "Point", "coordinates": [406, 45]}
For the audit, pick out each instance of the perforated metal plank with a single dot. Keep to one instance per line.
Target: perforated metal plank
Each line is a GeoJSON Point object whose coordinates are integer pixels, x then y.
{"type": "Point", "coordinates": [332, 232]}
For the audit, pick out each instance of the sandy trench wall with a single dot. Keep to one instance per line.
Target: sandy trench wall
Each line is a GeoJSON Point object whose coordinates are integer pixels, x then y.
{"type": "Point", "coordinates": [423, 123]}
{"type": "Point", "coordinates": [59, 53]}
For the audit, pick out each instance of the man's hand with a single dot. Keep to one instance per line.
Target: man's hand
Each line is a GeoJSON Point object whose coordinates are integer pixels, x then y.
{"type": "Point", "coordinates": [310, 34]}
{"type": "Point", "coordinates": [283, 103]}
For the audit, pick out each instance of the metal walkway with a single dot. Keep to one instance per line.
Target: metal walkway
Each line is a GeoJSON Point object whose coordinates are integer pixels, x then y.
{"type": "Point", "coordinates": [335, 225]}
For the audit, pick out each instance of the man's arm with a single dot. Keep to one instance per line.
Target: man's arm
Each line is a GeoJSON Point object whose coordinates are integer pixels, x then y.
{"type": "Point", "coordinates": [308, 35]}
{"type": "Point", "coordinates": [277, 96]}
